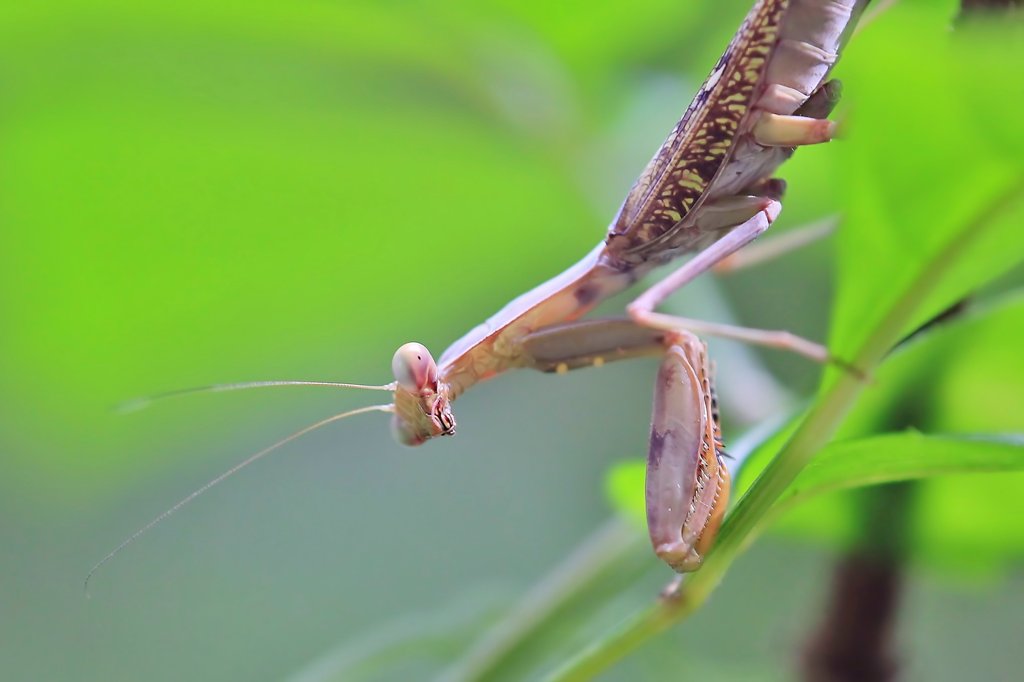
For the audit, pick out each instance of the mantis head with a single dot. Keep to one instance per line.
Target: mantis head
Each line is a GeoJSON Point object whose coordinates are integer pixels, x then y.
{"type": "Point", "coordinates": [422, 407]}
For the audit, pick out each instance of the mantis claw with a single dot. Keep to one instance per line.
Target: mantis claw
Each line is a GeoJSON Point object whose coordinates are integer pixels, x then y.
{"type": "Point", "coordinates": [673, 592]}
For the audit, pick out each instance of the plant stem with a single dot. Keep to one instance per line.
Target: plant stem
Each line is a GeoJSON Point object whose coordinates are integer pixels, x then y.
{"type": "Point", "coordinates": [601, 550]}
{"type": "Point", "coordinates": [854, 642]}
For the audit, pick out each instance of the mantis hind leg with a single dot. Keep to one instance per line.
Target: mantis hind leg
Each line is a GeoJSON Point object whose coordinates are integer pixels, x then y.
{"type": "Point", "coordinates": [642, 310]}
{"type": "Point", "coordinates": [776, 246]}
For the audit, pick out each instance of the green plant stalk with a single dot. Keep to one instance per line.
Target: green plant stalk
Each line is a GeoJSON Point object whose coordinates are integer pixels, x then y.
{"type": "Point", "coordinates": [750, 516]}
{"type": "Point", "coordinates": [579, 571]}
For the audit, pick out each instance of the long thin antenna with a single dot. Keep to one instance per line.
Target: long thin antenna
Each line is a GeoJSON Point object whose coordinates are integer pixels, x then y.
{"type": "Point", "coordinates": [145, 401]}
{"type": "Point", "coordinates": [233, 470]}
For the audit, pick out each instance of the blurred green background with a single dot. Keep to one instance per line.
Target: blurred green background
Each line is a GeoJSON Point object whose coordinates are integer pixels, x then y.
{"type": "Point", "coordinates": [196, 192]}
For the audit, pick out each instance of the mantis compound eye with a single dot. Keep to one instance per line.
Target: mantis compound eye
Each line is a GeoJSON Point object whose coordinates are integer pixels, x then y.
{"type": "Point", "coordinates": [414, 367]}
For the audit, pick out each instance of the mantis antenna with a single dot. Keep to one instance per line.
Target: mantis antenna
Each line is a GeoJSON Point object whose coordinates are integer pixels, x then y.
{"type": "Point", "coordinates": [145, 401]}
{"type": "Point", "coordinates": [233, 470]}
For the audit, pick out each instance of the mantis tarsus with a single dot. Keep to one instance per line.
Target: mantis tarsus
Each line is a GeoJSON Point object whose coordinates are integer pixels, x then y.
{"type": "Point", "coordinates": [708, 191]}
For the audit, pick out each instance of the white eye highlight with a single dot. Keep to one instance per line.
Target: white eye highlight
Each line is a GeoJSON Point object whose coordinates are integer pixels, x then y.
{"type": "Point", "coordinates": [414, 367]}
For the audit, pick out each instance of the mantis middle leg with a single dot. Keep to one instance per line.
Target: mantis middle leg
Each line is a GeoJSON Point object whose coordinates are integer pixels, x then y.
{"type": "Point", "coordinates": [642, 309]}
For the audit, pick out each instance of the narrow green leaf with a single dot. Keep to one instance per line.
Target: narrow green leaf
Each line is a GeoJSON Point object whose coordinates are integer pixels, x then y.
{"type": "Point", "coordinates": [963, 518]}
{"type": "Point", "coordinates": [901, 457]}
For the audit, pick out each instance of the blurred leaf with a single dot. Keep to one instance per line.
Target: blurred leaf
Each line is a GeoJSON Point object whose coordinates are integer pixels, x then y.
{"type": "Point", "coordinates": [188, 202]}
{"type": "Point", "coordinates": [901, 457]}
{"type": "Point", "coordinates": [406, 648]}
{"type": "Point", "coordinates": [624, 486]}
{"type": "Point", "coordinates": [970, 524]}
{"type": "Point", "coordinates": [935, 197]}
{"type": "Point", "coordinates": [957, 519]}
{"type": "Point", "coordinates": [958, 377]}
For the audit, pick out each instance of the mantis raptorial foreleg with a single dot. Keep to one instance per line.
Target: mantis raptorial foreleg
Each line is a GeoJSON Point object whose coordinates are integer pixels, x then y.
{"type": "Point", "coordinates": [687, 487]}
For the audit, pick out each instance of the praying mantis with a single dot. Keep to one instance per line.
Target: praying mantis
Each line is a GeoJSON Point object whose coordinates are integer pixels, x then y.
{"type": "Point", "coordinates": [708, 191]}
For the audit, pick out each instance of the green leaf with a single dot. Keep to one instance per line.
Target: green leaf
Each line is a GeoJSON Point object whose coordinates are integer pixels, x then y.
{"type": "Point", "coordinates": [959, 377]}
{"type": "Point", "coordinates": [935, 193]}
{"type": "Point", "coordinates": [215, 194]}
{"type": "Point", "coordinates": [901, 457]}
{"type": "Point", "coordinates": [959, 519]}
{"type": "Point", "coordinates": [624, 487]}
